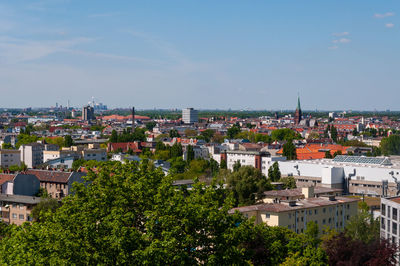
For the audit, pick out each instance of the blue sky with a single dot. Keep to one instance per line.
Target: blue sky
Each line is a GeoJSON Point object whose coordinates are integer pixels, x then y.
{"type": "Point", "coordinates": [203, 54]}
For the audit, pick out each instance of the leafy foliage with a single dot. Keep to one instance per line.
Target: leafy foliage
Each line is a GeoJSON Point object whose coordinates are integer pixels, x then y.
{"type": "Point", "coordinates": [247, 184]}
{"type": "Point", "coordinates": [391, 145]}
{"type": "Point", "coordinates": [289, 150]}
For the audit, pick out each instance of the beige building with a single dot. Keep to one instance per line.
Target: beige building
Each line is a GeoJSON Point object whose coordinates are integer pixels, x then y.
{"type": "Point", "coordinates": [9, 158]}
{"type": "Point", "coordinates": [32, 154]}
{"type": "Point", "coordinates": [325, 210]}
{"type": "Point", "coordinates": [16, 209]}
{"type": "Point", "coordinates": [51, 155]}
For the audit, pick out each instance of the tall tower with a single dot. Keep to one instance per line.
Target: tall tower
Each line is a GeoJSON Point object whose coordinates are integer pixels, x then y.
{"type": "Point", "coordinates": [133, 119]}
{"type": "Point", "coordinates": [297, 113]}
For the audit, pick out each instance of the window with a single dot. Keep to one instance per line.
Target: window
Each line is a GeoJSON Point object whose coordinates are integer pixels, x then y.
{"type": "Point", "coordinates": [383, 209]}
{"type": "Point", "coordinates": [394, 214]}
{"type": "Point", "coordinates": [290, 216]}
{"type": "Point", "coordinates": [14, 205]}
{"type": "Point", "coordinates": [310, 212]}
{"type": "Point", "coordinates": [394, 239]}
{"type": "Point", "coordinates": [388, 225]}
{"type": "Point", "coordinates": [21, 217]}
{"type": "Point", "coordinates": [394, 228]}
{"type": "Point", "coordinates": [14, 216]}
{"type": "Point", "coordinates": [289, 226]}
{"type": "Point", "coordinates": [323, 221]}
{"type": "Point", "coordinates": [324, 210]}
{"type": "Point", "coordinates": [388, 211]}
{"type": "Point", "coordinates": [267, 215]}
{"type": "Point", "coordinates": [315, 211]}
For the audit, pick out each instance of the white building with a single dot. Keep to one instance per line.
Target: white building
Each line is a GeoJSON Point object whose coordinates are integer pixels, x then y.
{"type": "Point", "coordinates": [390, 208]}
{"type": "Point", "coordinates": [189, 116]}
{"type": "Point", "coordinates": [32, 154]}
{"type": "Point", "coordinates": [357, 175]}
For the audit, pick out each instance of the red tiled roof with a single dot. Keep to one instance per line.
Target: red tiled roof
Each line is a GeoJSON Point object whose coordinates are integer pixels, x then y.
{"type": "Point", "coordinates": [50, 176]}
{"type": "Point", "coordinates": [5, 178]}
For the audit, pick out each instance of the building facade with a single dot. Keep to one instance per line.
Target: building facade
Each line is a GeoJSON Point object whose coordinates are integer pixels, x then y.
{"type": "Point", "coordinates": [294, 214]}
{"type": "Point", "coordinates": [88, 113]}
{"type": "Point", "coordinates": [189, 116]}
{"type": "Point", "coordinates": [9, 158]}
{"type": "Point", "coordinates": [16, 209]}
{"type": "Point", "coordinates": [390, 214]}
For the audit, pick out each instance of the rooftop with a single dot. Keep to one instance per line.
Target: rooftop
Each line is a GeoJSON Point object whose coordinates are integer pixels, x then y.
{"type": "Point", "coordinates": [20, 199]}
{"type": "Point", "coordinates": [300, 204]}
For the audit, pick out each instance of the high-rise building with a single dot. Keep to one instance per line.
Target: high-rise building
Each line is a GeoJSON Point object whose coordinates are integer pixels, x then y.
{"type": "Point", "coordinates": [88, 113]}
{"type": "Point", "coordinates": [297, 113]}
{"type": "Point", "coordinates": [189, 116]}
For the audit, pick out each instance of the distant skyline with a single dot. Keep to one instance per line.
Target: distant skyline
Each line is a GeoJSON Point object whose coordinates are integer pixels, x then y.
{"type": "Point", "coordinates": [338, 55]}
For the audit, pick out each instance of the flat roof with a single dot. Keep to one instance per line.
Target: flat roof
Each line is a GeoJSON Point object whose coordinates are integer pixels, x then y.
{"type": "Point", "coordinates": [300, 204]}
{"type": "Point", "coordinates": [20, 199]}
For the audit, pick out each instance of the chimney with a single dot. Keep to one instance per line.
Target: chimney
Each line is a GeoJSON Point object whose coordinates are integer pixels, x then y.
{"type": "Point", "coordinates": [308, 192]}
{"type": "Point", "coordinates": [133, 119]}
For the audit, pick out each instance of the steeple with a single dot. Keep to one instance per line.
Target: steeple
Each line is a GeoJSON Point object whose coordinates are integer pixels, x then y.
{"type": "Point", "coordinates": [298, 103]}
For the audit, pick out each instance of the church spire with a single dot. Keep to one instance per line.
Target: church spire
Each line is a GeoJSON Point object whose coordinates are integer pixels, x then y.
{"type": "Point", "coordinates": [298, 103]}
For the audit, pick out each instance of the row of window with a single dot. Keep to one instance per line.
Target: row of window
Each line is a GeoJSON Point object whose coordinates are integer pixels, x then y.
{"type": "Point", "coordinates": [386, 225]}
{"type": "Point", "coordinates": [385, 211]}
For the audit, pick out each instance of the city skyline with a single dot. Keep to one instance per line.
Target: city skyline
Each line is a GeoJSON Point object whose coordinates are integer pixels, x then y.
{"type": "Point", "coordinates": [224, 55]}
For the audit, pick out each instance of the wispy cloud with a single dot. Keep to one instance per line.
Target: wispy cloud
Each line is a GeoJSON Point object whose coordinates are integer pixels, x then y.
{"type": "Point", "coordinates": [384, 15]}
{"type": "Point", "coordinates": [389, 25]}
{"type": "Point", "coordinates": [342, 40]}
{"type": "Point", "coordinates": [13, 50]}
{"type": "Point", "coordinates": [338, 34]}
{"type": "Point", "coordinates": [333, 47]}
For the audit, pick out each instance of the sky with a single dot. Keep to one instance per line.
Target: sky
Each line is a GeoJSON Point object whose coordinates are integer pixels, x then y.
{"type": "Point", "coordinates": [238, 54]}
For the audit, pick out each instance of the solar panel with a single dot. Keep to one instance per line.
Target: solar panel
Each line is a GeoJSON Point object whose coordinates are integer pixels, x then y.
{"type": "Point", "coordinates": [361, 160]}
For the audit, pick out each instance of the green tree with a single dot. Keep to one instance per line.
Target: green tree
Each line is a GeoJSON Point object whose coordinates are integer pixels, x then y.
{"type": "Point", "coordinates": [328, 155]}
{"type": "Point", "coordinates": [223, 164]}
{"type": "Point", "coordinates": [289, 150]}
{"type": "Point", "coordinates": [208, 134]}
{"type": "Point", "coordinates": [247, 184]}
{"type": "Point", "coordinates": [391, 145]}
{"type": "Point", "coordinates": [44, 209]}
{"type": "Point", "coordinates": [236, 166]}
{"type": "Point", "coordinates": [150, 125]}
{"type": "Point", "coordinates": [114, 137]}
{"type": "Point", "coordinates": [274, 174]}
{"type": "Point", "coordinates": [284, 134]}
{"type": "Point", "coordinates": [133, 216]}
{"type": "Point", "coordinates": [173, 133]}
{"type": "Point", "coordinates": [288, 182]}
{"type": "Point", "coordinates": [6, 146]}
{"type": "Point", "coordinates": [334, 133]}
{"type": "Point", "coordinates": [68, 142]}
{"type": "Point", "coordinates": [233, 131]}
{"type": "Point", "coordinates": [189, 153]}
{"type": "Point", "coordinates": [363, 226]}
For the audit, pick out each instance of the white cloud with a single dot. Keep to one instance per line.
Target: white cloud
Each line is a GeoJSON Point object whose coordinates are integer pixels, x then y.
{"type": "Point", "coordinates": [387, 14]}
{"type": "Point", "coordinates": [342, 40]}
{"type": "Point", "coordinates": [338, 34]}
{"type": "Point", "coordinates": [389, 25]}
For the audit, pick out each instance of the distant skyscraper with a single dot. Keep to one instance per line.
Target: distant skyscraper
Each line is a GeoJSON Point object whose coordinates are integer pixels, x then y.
{"type": "Point", "coordinates": [88, 113]}
{"type": "Point", "coordinates": [297, 114]}
{"type": "Point", "coordinates": [189, 116]}
{"type": "Point", "coordinates": [133, 119]}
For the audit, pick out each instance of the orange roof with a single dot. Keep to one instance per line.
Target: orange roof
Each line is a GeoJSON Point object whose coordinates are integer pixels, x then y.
{"type": "Point", "coordinates": [312, 151]}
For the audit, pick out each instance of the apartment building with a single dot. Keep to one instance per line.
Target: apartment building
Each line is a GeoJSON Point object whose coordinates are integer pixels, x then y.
{"type": "Point", "coordinates": [260, 160]}
{"type": "Point", "coordinates": [189, 116]}
{"type": "Point", "coordinates": [58, 184]}
{"type": "Point", "coordinates": [32, 154]}
{"type": "Point", "coordinates": [390, 214]}
{"type": "Point", "coordinates": [16, 209]}
{"type": "Point", "coordinates": [9, 158]}
{"type": "Point", "coordinates": [325, 210]}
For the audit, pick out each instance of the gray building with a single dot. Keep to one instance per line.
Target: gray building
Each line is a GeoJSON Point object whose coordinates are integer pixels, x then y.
{"type": "Point", "coordinates": [88, 113]}
{"type": "Point", "coordinates": [189, 116]}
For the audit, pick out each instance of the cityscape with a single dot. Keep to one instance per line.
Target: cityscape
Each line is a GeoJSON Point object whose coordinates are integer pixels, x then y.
{"type": "Point", "coordinates": [189, 147]}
